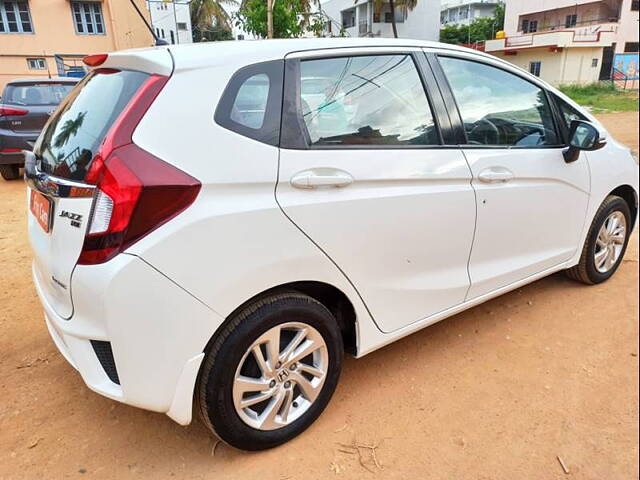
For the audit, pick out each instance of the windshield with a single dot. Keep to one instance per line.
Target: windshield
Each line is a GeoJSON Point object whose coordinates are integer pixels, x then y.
{"type": "Point", "coordinates": [36, 93]}
{"type": "Point", "coordinates": [75, 131]}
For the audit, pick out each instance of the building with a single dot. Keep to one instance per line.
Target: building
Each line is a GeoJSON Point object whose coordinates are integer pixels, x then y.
{"type": "Point", "coordinates": [463, 12]}
{"type": "Point", "coordinates": [359, 18]}
{"type": "Point", "coordinates": [42, 37]}
{"type": "Point", "coordinates": [571, 41]}
{"type": "Point", "coordinates": [171, 20]}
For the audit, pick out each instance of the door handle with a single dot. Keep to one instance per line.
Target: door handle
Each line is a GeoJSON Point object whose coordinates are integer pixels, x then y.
{"type": "Point", "coordinates": [495, 175]}
{"type": "Point", "coordinates": [321, 177]}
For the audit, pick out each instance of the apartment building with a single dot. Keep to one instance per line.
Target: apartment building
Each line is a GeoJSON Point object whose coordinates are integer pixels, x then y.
{"type": "Point", "coordinates": [361, 18]}
{"type": "Point", "coordinates": [463, 12]}
{"type": "Point", "coordinates": [171, 20]}
{"type": "Point", "coordinates": [42, 37]}
{"type": "Point", "coordinates": [571, 41]}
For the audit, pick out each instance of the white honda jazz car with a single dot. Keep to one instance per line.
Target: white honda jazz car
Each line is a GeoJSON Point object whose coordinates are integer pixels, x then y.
{"type": "Point", "coordinates": [220, 222]}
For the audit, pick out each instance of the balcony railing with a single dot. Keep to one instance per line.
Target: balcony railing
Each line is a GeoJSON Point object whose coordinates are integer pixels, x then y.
{"type": "Point", "coordinates": [563, 26]}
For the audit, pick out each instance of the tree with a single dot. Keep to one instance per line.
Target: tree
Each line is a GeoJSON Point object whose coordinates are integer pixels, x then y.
{"type": "Point", "coordinates": [479, 30]}
{"type": "Point", "coordinates": [403, 5]}
{"type": "Point", "coordinates": [207, 14]}
{"type": "Point", "coordinates": [291, 18]}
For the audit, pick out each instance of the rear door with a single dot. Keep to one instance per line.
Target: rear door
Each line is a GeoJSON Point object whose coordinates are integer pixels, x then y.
{"type": "Point", "coordinates": [365, 175]}
{"type": "Point", "coordinates": [531, 203]}
{"type": "Point", "coordinates": [59, 199]}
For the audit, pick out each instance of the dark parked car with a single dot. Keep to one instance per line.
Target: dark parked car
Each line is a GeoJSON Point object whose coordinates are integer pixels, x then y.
{"type": "Point", "coordinates": [25, 106]}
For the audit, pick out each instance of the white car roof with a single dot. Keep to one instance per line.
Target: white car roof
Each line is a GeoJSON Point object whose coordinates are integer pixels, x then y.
{"type": "Point", "coordinates": [202, 54]}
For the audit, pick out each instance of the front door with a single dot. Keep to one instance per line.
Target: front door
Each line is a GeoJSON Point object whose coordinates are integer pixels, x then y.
{"type": "Point", "coordinates": [531, 203]}
{"type": "Point", "coordinates": [371, 185]}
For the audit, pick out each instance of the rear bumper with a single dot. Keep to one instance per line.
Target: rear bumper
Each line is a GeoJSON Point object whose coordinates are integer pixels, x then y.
{"type": "Point", "coordinates": [155, 330]}
{"type": "Point", "coordinates": [15, 140]}
{"type": "Point", "coordinates": [12, 159]}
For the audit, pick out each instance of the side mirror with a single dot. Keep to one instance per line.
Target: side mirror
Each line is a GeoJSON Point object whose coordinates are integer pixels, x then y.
{"type": "Point", "coordinates": [583, 136]}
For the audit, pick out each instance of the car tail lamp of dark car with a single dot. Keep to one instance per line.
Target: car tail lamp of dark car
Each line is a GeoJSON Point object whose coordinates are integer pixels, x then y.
{"type": "Point", "coordinates": [6, 111]}
{"type": "Point", "coordinates": [136, 191]}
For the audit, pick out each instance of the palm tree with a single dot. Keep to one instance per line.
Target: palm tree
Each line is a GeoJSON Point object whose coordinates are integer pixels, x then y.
{"type": "Point", "coordinates": [204, 12]}
{"type": "Point", "coordinates": [404, 5]}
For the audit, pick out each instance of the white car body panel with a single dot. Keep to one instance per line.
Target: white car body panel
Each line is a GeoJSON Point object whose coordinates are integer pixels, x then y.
{"type": "Point", "coordinates": [162, 301]}
{"type": "Point", "coordinates": [401, 232]}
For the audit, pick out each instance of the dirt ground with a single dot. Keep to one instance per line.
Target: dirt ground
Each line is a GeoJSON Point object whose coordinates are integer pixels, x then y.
{"type": "Point", "coordinates": [497, 392]}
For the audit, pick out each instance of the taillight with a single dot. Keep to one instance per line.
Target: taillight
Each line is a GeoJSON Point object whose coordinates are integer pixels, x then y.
{"type": "Point", "coordinates": [136, 191]}
{"type": "Point", "coordinates": [5, 110]}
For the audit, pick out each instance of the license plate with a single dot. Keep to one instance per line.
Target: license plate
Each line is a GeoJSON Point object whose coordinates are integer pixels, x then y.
{"type": "Point", "coordinates": [41, 209]}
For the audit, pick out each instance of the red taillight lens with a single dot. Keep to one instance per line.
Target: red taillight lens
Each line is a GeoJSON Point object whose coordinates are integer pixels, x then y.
{"type": "Point", "coordinates": [141, 192]}
{"type": "Point", "coordinates": [5, 110]}
{"type": "Point", "coordinates": [136, 191]}
{"type": "Point", "coordinates": [95, 60]}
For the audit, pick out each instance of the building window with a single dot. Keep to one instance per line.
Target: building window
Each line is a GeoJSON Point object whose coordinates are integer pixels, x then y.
{"type": "Point", "coordinates": [571, 21]}
{"type": "Point", "coordinates": [162, 32]}
{"type": "Point", "coordinates": [525, 26]}
{"type": "Point", "coordinates": [240, 37]}
{"type": "Point", "coordinates": [173, 38]}
{"type": "Point", "coordinates": [594, 63]}
{"type": "Point", "coordinates": [87, 17]}
{"type": "Point", "coordinates": [388, 17]}
{"type": "Point", "coordinates": [534, 68]}
{"type": "Point", "coordinates": [15, 17]}
{"type": "Point", "coordinates": [533, 26]}
{"type": "Point", "coordinates": [36, 63]}
{"type": "Point", "coordinates": [182, 26]}
{"type": "Point", "coordinates": [631, 47]}
{"type": "Point", "coordinates": [635, 5]}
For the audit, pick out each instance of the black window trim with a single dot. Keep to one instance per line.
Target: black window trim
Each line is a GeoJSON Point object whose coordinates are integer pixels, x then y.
{"type": "Point", "coordinates": [293, 132]}
{"type": "Point", "coordinates": [269, 132]}
{"type": "Point", "coordinates": [454, 110]}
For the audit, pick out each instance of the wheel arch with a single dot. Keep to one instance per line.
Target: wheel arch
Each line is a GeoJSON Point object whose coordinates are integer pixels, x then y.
{"type": "Point", "coordinates": [629, 195]}
{"type": "Point", "coordinates": [334, 299]}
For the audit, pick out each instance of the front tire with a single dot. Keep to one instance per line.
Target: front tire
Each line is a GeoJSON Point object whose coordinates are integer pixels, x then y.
{"type": "Point", "coordinates": [270, 372]}
{"type": "Point", "coordinates": [605, 244]}
{"type": "Point", "coordinates": [10, 172]}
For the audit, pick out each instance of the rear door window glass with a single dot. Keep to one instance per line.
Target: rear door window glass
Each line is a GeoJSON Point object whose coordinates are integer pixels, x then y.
{"type": "Point", "coordinates": [71, 139]}
{"type": "Point", "coordinates": [365, 100]}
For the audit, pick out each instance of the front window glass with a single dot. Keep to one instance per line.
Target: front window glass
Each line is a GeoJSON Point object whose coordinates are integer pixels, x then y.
{"type": "Point", "coordinates": [368, 100]}
{"type": "Point", "coordinates": [499, 108]}
{"type": "Point", "coordinates": [36, 93]}
{"type": "Point", "coordinates": [569, 113]}
{"type": "Point", "coordinates": [74, 133]}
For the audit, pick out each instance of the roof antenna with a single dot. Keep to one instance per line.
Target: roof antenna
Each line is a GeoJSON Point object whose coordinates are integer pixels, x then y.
{"type": "Point", "coordinates": [158, 42]}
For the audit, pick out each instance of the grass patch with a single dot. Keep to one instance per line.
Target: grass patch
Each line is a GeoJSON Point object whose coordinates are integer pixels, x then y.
{"type": "Point", "coordinates": [602, 97]}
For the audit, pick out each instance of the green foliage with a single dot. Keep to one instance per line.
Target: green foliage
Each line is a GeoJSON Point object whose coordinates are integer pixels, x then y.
{"type": "Point", "coordinates": [210, 21]}
{"type": "Point", "coordinates": [479, 30]}
{"type": "Point", "coordinates": [602, 97]}
{"type": "Point", "coordinates": [291, 18]}
{"type": "Point", "coordinates": [214, 34]}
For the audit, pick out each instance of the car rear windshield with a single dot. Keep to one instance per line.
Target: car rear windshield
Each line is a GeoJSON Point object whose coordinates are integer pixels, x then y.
{"type": "Point", "coordinates": [36, 93]}
{"type": "Point", "coordinates": [74, 133]}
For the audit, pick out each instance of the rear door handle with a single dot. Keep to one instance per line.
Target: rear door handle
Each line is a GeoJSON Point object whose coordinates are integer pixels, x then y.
{"type": "Point", "coordinates": [495, 175]}
{"type": "Point", "coordinates": [321, 177]}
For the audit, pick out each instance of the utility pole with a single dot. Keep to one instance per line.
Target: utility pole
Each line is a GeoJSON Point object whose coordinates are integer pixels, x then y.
{"type": "Point", "coordinates": [269, 18]}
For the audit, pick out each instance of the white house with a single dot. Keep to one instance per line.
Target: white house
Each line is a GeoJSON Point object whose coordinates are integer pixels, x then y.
{"type": "Point", "coordinates": [171, 21]}
{"type": "Point", "coordinates": [359, 18]}
{"type": "Point", "coordinates": [463, 12]}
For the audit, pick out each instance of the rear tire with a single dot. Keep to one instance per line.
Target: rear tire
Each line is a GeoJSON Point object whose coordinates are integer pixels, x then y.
{"type": "Point", "coordinates": [602, 252]}
{"type": "Point", "coordinates": [10, 172]}
{"type": "Point", "coordinates": [240, 356]}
